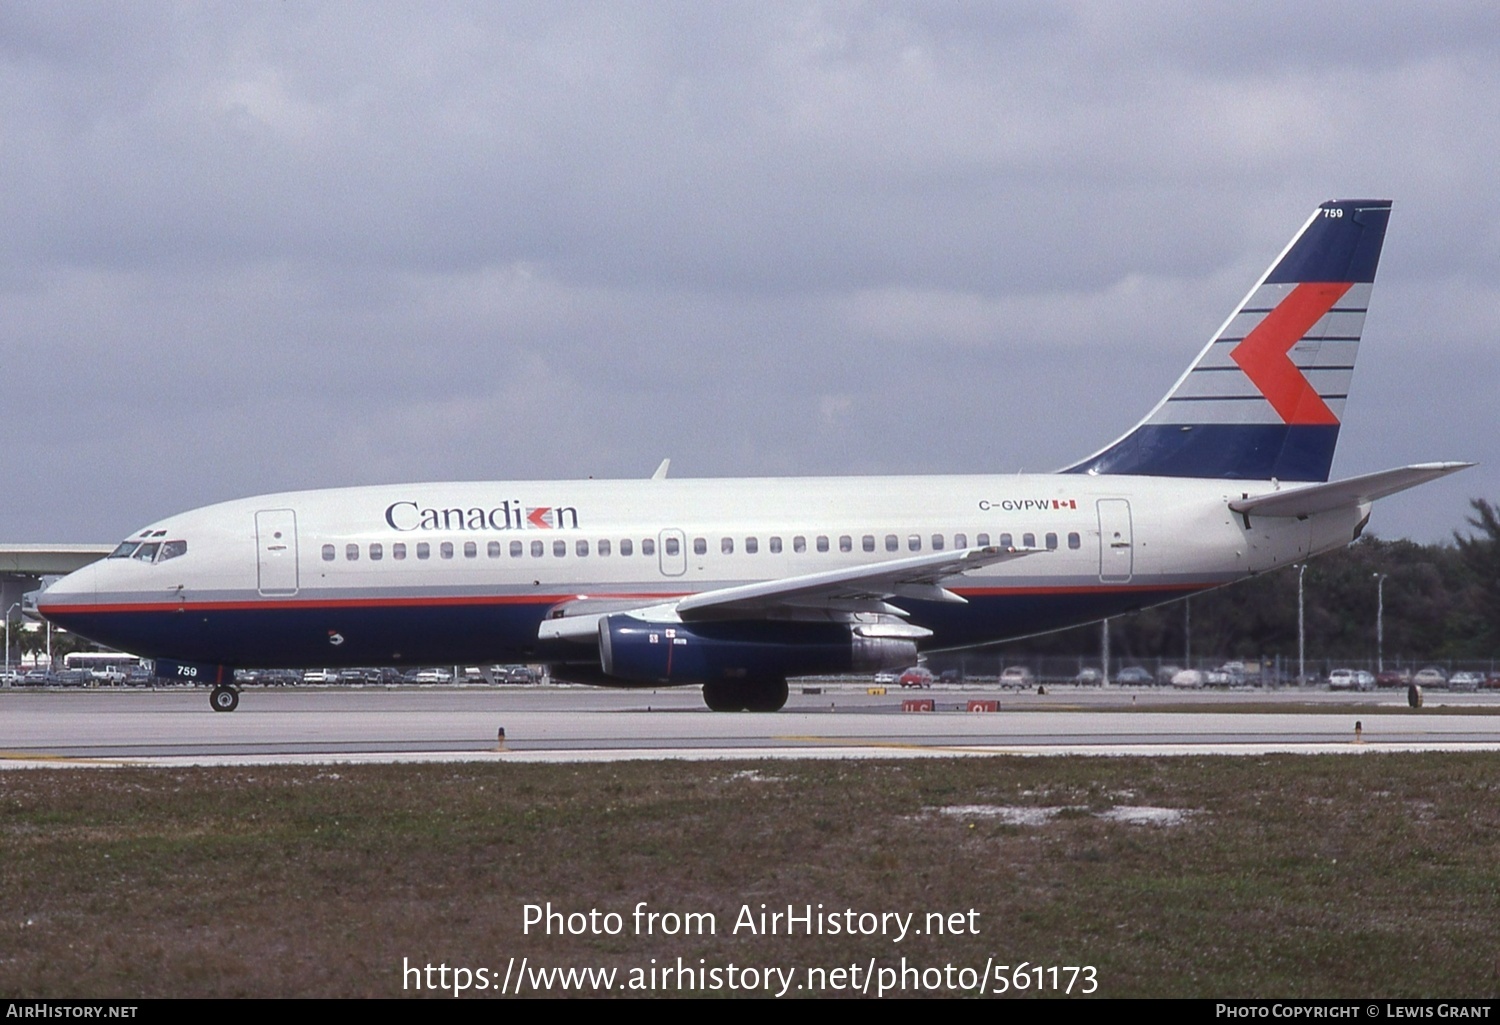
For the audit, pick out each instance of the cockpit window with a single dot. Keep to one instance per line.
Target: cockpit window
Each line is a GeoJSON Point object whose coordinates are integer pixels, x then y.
{"type": "Point", "coordinates": [171, 549]}
{"type": "Point", "coordinates": [125, 550]}
{"type": "Point", "coordinates": [147, 551]}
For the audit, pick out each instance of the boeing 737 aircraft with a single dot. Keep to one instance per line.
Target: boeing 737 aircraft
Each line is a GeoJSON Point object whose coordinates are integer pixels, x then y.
{"type": "Point", "coordinates": [739, 584]}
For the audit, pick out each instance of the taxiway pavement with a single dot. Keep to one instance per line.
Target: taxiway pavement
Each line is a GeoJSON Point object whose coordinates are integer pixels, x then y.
{"type": "Point", "coordinates": [177, 727]}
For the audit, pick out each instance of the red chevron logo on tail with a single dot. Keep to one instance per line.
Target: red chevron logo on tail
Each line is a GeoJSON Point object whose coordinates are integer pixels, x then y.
{"type": "Point", "coordinates": [1263, 353]}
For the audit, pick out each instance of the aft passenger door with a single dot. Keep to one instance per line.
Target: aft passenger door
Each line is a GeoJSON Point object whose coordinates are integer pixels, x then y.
{"type": "Point", "coordinates": [1116, 545]}
{"type": "Point", "coordinates": [276, 552]}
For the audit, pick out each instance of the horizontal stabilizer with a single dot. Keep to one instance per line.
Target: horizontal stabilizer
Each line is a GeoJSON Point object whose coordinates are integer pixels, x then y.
{"type": "Point", "coordinates": [1318, 498]}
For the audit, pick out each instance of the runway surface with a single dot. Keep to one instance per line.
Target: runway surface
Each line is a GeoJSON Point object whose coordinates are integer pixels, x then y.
{"type": "Point", "coordinates": [586, 724]}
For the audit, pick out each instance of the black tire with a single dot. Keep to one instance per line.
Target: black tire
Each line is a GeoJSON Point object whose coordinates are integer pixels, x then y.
{"type": "Point", "coordinates": [745, 695]}
{"type": "Point", "coordinates": [723, 696]}
{"type": "Point", "coordinates": [223, 699]}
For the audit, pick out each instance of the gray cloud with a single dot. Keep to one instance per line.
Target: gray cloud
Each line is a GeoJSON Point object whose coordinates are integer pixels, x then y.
{"type": "Point", "coordinates": [247, 249]}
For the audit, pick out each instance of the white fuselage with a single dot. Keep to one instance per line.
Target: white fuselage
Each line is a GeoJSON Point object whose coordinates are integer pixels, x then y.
{"type": "Point", "coordinates": [466, 572]}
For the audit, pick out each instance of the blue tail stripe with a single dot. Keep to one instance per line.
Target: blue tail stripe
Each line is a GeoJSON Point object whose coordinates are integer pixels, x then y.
{"type": "Point", "coordinates": [1302, 452]}
{"type": "Point", "coordinates": [1345, 247]}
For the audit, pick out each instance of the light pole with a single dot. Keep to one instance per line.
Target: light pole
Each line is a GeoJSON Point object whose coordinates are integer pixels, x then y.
{"type": "Point", "coordinates": [1380, 621]}
{"type": "Point", "coordinates": [1104, 645]}
{"type": "Point", "coordinates": [1301, 633]}
{"type": "Point", "coordinates": [1187, 633]}
{"type": "Point", "coordinates": [8, 639]}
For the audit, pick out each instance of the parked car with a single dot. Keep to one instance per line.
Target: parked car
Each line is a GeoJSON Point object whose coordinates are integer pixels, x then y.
{"type": "Point", "coordinates": [1235, 672]}
{"type": "Point", "coordinates": [1188, 678]}
{"type": "Point", "coordinates": [1364, 679]}
{"type": "Point", "coordinates": [1429, 677]}
{"type": "Point", "coordinates": [1463, 681]}
{"type": "Point", "coordinates": [1017, 676]}
{"type": "Point", "coordinates": [1393, 678]}
{"type": "Point", "coordinates": [916, 676]}
{"type": "Point", "coordinates": [1133, 675]}
{"type": "Point", "coordinates": [1089, 677]}
{"type": "Point", "coordinates": [1341, 679]}
{"type": "Point", "coordinates": [950, 676]}
{"type": "Point", "coordinates": [886, 678]}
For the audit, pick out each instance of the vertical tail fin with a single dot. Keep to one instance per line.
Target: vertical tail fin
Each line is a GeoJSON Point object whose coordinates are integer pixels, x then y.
{"type": "Point", "coordinates": [1265, 396]}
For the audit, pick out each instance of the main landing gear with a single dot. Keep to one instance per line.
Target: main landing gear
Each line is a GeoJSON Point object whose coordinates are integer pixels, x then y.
{"type": "Point", "coordinates": [224, 699]}
{"type": "Point", "coordinates": [745, 695]}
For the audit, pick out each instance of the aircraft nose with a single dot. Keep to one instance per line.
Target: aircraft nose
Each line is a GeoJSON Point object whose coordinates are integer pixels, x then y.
{"type": "Point", "coordinates": [77, 587]}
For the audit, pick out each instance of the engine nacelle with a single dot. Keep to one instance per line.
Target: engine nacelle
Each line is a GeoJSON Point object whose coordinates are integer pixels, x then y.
{"type": "Point", "coordinates": [641, 651]}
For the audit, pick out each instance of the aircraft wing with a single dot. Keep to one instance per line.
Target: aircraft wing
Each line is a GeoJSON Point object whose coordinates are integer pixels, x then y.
{"type": "Point", "coordinates": [1317, 498]}
{"type": "Point", "coordinates": [849, 590]}
{"type": "Point", "coordinates": [855, 589]}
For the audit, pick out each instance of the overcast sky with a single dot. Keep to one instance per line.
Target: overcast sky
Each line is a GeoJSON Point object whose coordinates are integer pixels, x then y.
{"type": "Point", "coordinates": [256, 247]}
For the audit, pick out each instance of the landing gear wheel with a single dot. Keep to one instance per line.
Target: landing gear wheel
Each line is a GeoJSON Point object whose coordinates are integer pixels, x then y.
{"type": "Point", "coordinates": [223, 699]}
{"type": "Point", "coordinates": [745, 695]}
{"type": "Point", "coordinates": [722, 696]}
{"type": "Point", "coordinates": [766, 696]}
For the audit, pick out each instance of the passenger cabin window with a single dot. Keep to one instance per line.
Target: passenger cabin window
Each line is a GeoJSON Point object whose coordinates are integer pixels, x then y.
{"type": "Point", "coordinates": [328, 553]}
{"type": "Point", "coordinates": [671, 546]}
{"type": "Point", "coordinates": [398, 549]}
{"type": "Point", "coordinates": [559, 548]}
{"type": "Point", "coordinates": [446, 549]}
{"type": "Point", "coordinates": [1006, 541]}
{"type": "Point", "coordinates": [775, 545]}
{"type": "Point", "coordinates": [494, 549]}
{"type": "Point", "coordinates": [538, 549]}
{"type": "Point", "coordinates": [700, 546]}
{"type": "Point", "coordinates": [752, 545]}
{"type": "Point", "coordinates": [1028, 540]}
{"type": "Point", "coordinates": [867, 542]}
{"type": "Point", "coordinates": [960, 540]}
{"type": "Point", "coordinates": [892, 543]}
{"type": "Point", "coordinates": [517, 549]}
{"type": "Point", "coordinates": [1051, 542]}
{"type": "Point", "coordinates": [377, 551]}
{"type": "Point", "coordinates": [351, 553]}
{"type": "Point", "coordinates": [846, 543]}
{"type": "Point", "coordinates": [648, 546]}
{"type": "Point", "coordinates": [799, 544]}
{"type": "Point", "coordinates": [726, 546]}
{"type": "Point", "coordinates": [603, 546]}
{"type": "Point", "coordinates": [982, 540]}
{"type": "Point", "coordinates": [914, 543]}
{"type": "Point", "coordinates": [937, 542]}
{"type": "Point", "coordinates": [424, 550]}
{"type": "Point", "coordinates": [581, 548]}
{"type": "Point", "coordinates": [1074, 540]}
{"type": "Point", "coordinates": [822, 543]}
{"type": "Point", "coordinates": [625, 547]}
